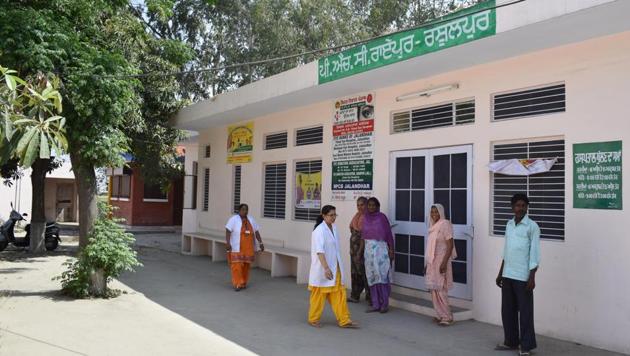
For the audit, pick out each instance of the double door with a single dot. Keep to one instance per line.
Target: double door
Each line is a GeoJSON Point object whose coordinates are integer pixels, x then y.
{"type": "Point", "coordinates": [419, 179]}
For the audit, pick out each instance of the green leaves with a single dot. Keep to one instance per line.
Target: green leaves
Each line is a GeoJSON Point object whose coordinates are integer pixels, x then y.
{"type": "Point", "coordinates": [30, 119]}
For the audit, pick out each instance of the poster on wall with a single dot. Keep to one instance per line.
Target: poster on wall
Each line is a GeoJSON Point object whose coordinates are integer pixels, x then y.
{"type": "Point", "coordinates": [240, 143]}
{"type": "Point", "coordinates": [597, 175]}
{"type": "Point", "coordinates": [353, 147]}
{"type": "Point", "coordinates": [308, 190]}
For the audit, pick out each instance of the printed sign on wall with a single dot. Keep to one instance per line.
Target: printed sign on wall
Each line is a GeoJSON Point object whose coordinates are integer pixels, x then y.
{"type": "Point", "coordinates": [240, 143]}
{"type": "Point", "coordinates": [308, 190]}
{"type": "Point", "coordinates": [353, 147]}
{"type": "Point", "coordinates": [597, 175]}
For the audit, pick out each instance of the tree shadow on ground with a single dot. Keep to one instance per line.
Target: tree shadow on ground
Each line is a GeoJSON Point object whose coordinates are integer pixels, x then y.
{"type": "Point", "coordinates": [18, 254]}
{"type": "Point", "coordinates": [55, 295]}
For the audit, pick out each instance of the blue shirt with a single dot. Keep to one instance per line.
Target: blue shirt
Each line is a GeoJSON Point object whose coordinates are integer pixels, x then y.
{"type": "Point", "coordinates": [521, 253]}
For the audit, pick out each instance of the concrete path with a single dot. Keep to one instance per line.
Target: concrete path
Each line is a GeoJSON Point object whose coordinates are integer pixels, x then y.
{"type": "Point", "coordinates": [269, 318]}
{"type": "Point", "coordinates": [182, 305]}
{"type": "Point", "coordinates": [35, 320]}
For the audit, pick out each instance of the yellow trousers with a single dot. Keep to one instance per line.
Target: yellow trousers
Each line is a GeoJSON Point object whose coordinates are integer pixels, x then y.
{"type": "Point", "coordinates": [336, 297]}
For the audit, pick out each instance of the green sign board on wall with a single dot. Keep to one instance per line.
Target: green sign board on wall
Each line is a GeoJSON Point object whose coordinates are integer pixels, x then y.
{"type": "Point", "coordinates": [464, 26]}
{"type": "Point", "coordinates": [597, 175]}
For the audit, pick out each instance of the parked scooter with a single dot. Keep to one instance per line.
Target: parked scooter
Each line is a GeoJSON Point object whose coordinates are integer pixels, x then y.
{"type": "Point", "coordinates": [7, 235]}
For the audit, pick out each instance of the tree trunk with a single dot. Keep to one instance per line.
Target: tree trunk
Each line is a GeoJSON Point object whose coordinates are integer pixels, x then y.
{"type": "Point", "coordinates": [38, 211]}
{"type": "Point", "coordinates": [98, 283]}
{"type": "Point", "coordinates": [86, 185]}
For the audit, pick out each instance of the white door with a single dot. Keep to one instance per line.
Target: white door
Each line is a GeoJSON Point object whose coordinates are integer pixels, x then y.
{"type": "Point", "coordinates": [418, 179]}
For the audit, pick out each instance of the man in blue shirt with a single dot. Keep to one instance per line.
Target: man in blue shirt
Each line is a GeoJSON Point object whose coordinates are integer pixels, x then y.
{"type": "Point", "coordinates": [517, 278]}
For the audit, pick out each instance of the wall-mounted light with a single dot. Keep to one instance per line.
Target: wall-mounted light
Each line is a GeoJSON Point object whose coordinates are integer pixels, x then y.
{"type": "Point", "coordinates": [428, 92]}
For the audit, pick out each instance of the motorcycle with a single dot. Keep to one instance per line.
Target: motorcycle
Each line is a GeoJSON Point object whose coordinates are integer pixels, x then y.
{"type": "Point", "coordinates": [7, 233]}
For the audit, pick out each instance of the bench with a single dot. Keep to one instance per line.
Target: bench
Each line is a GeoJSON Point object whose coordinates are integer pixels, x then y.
{"type": "Point", "coordinates": [281, 261]}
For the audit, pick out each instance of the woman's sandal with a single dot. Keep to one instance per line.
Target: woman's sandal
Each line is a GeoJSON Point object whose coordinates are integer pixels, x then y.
{"type": "Point", "coordinates": [315, 325]}
{"type": "Point", "coordinates": [446, 322]}
{"type": "Point", "coordinates": [436, 320]}
{"type": "Point", "coordinates": [352, 325]}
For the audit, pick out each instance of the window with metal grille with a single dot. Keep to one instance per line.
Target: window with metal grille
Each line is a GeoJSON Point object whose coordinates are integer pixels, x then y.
{"type": "Point", "coordinates": [309, 136]}
{"type": "Point", "coordinates": [207, 153]}
{"type": "Point", "coordinates": [449, 114]}
{"type": "Point", "coordinates": [275, 141]}
{"type": "Point", "coordinates": [311, 194]}
{"type": "Point", "coordinates": [121, 186]}
{"type": "Point", "coordinates": [546, 191]}
{"type": "Point", "coordinates": [206, 188]}
{"type": "Point", "coordinates": [538, 101]}
{"type": "Point", "coordinates": [274, 196]}
{"type": "Point", "coordinates": [190, 188]}
{"type": "Point", "coordinates": [236, 194]}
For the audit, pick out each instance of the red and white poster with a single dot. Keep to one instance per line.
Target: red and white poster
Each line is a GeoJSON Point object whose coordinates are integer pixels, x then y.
{"type": "Point", "coordinates": [353, 147]}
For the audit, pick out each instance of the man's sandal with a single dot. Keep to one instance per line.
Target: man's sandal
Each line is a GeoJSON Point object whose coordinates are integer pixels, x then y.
{"type": "Point", "coordinates": [504, 347]}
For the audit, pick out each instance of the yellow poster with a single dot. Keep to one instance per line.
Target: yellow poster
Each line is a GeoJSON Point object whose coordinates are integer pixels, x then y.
{"type": "Point", "coordinates": [240, 143]}
{"type": "Point", "coordinates": [308, 190]}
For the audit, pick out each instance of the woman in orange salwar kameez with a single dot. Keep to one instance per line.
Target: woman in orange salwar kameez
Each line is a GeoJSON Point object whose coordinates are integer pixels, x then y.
{"type": "Point", "coordinates": [241, 235]}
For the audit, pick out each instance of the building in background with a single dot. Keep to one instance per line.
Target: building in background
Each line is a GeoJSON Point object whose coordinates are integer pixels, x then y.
{"type": "Point", "coordinates": [61, 195]}
{"type": "Point", "coordinates": [142, 204]}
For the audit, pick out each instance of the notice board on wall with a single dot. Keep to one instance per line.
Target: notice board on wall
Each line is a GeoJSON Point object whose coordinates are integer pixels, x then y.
{"type": "Point", "coordinates": [353, 147]}
{"type": "Point", "coordinates": [597, 175]}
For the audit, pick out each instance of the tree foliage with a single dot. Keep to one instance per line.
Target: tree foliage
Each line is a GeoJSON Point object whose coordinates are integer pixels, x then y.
{"type": "Point", "coordinates": [30, 127]}
{"type": "Point", "coordinates": [227, 33]}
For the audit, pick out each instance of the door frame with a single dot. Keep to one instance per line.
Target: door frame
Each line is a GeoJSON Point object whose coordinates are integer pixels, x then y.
{"type": "Point", "coordinates": [461, 232]}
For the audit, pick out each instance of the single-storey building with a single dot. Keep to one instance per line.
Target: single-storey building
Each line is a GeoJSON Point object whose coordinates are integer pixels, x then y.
{"type": "Point", "coordinates": [139, 203]}
{"type": "Point", "coordinates": [534, 90]}
{"type": "Point", "coordinates": [61, 194]}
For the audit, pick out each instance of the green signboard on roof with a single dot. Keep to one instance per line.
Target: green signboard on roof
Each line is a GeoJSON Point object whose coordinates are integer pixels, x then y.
{"type": "Point", "coordinates": [464, 26]}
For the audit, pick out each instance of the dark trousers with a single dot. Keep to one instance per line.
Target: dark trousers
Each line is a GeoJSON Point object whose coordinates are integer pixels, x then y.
{"type": "Point", "coordinates": [359, 281]}
{"type": "Point", "coordinates": [517, 310]}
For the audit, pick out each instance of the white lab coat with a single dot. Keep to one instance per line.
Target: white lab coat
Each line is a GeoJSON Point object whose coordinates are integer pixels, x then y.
{"type": "Point", "coordinates": [326, 242]}
{"type": "Point", "coordinates": [234, 225]}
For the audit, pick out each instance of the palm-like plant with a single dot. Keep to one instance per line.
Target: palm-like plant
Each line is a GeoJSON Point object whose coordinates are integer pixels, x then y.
{"type": "Point", "coordinates": [31, 129]}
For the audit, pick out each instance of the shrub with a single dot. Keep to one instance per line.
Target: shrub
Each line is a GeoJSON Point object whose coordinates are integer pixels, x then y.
{"type": "Point", "coordinates": [108, 254]}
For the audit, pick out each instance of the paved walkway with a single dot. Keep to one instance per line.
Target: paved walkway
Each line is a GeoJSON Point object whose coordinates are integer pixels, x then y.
{"type": "Point", "coordinates": [182, 305]}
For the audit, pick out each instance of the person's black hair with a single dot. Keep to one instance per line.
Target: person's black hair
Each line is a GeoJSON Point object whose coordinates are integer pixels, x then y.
{"type": "Point", "coordinates": [373, 199]}
{"type": "Point", "coordinates": [243, 205]}
{"type": "Point", "coordinates": [518, 197]}
{"type": "Point", "coordinates": [364, 199]}
{"type": "Point", "coordinates": [320, 218]}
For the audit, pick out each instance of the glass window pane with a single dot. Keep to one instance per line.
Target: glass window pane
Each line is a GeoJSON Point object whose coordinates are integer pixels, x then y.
{"type": "Point", "coordinates": [402, 205]}
{"type": "Point", "coordinates": [402, 243]}
{"type": "Point", "coordinates": [461, 247]}
{"type": "Point", "coordinates": [443, 197]}
{"type": "Point", "coordinates": [441, 171]}
{"type": "Point", "coordinates": [401, 263]}
{"type": "Point", "coordinates": [417, 206]}
{"type": "Point", "coordinates": [417, 265]}
{"type": "Point", "coordinates": [417, 172]}
{"type": "Point", "coordinates": [458, 206]}
{"type": "Point", "coordinates": [416, 245]}
{"type": "Point", "coordinates": [459, 272]}
{"type": "Point", "coordinates": [403, 172]}
{"type": "Point", "coordinates": [459, 170]}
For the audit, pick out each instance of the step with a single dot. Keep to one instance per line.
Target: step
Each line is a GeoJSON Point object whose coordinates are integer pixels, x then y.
{"type": "Point", "coordinates": [425, 307]}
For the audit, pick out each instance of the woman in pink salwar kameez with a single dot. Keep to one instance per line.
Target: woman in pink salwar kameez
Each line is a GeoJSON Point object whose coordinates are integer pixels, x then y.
{"type": "Point", "coordinates": [439, 270]}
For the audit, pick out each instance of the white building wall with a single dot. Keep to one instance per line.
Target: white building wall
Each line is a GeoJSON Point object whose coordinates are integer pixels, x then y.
{"type": "Point", "coordinates": [581, 294]}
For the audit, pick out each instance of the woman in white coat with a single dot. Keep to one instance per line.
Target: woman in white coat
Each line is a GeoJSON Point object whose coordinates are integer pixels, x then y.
{"type": "Point", "coordinates": [326, 278]}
